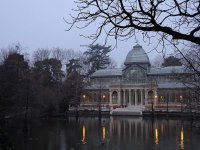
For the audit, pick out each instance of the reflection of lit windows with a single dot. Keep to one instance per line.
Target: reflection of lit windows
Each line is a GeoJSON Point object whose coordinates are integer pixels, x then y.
{"type": "Point", "coordinates": [156, 136]}
{"type": "Point", "coordinates": [103, 133]}
{"type": "Point", "coordinates": [83, 134]}
{"type": "Point", "coordinates": [182, 139]}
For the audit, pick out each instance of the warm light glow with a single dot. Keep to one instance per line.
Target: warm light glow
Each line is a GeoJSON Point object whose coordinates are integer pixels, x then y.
{"type": "Point", "coordinates": [156, 136]}
{"type": "Point", "coordinates": [104, 133]}
{"type": "Point", "coordinates": [84, 96]}
{"type": "Point", "coordinates": [182, 136]}
{"type": "Point", "coordinates": [181, 97]}
{"type": "Point", "coordinates": [155, 96]}
{"type": "Point", "coordinates": [83, 138]}
{"type": "Point", "coordinates": [182, 139]}
{"type": "Point", "coordinates": [103, 96]}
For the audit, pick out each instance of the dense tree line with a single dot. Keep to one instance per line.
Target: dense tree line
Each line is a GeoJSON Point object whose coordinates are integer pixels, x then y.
{"type": "Point", "coordinates": [48, 82]}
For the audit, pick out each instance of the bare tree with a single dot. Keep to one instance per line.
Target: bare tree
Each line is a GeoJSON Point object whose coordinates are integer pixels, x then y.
{"type": "Point", "coordinates": [41, 54]}
{"type": "Point", "coordinates": [166, 20]}
{"type": "Point", "coordinates": [57, 53]}
{"type": "Point", "coordinates": [192, 59]}
{"type": "Point", "coordinates": [191, 78]}
{"type": "Point", "coordinates": [68, 54]}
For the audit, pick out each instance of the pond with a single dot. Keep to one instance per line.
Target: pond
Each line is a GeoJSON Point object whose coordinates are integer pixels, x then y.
{"type": "Point", "coordinates": [112, 133]}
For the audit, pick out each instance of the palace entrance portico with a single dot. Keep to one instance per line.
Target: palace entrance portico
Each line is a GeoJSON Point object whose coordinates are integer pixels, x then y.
{"type": "Point", "coordinates": [128, 95]}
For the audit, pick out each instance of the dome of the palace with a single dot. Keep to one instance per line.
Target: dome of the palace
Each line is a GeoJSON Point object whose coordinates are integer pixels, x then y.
{"type": "Point", "coordinates": [137, 55]}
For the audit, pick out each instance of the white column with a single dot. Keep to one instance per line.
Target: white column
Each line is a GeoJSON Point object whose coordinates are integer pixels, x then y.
{"type": "Point", "coordinates": [145, 96]}
{"type": "Point", "coordinates": [136, 97]}
{"type": "Point", "coordinates": [110, 97]}
{"type": "Point", "coordinates": [119, 96]}
{"type": "Point", "coordinates": [142, 98]}
{"type": "Point", "coordinates": [155, 98]}
{"type": "Point", "coordinates": [124, 101]}
{"type": "Point", "coordinates": [129, 96]}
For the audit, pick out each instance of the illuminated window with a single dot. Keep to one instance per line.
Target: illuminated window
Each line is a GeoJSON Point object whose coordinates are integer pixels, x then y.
{"type": "Point", "coordinates": [114, 97]}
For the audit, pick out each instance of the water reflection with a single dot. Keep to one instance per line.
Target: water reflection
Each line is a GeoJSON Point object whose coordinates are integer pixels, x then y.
{"type": "Point", "coordinates": [156, 137]}
{"type": "Point", "coordinates": [182, 139]}
{"type": "Point", "coordinates": [103, 134]}
{"type": "Point", "coordinates": [114, 133]}
{"type": "Point", "coordinates": [83, 135]}
{"type": "Point", "coordinates": [162, 129]}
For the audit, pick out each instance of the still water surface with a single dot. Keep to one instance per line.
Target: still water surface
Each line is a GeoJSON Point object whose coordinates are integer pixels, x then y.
{"type": "Point", "coordinates": [114, 133]}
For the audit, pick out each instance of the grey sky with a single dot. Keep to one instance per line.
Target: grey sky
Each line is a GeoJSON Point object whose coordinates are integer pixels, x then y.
{"type": "Point", "coordinates": [39, 24]}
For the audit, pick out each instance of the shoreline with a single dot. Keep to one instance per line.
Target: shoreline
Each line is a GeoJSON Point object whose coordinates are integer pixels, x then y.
{"type": "Point", "coordinates": [144, 114]}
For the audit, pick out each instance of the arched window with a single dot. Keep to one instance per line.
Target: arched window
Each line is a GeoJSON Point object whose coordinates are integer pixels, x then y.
{"type": "Point", "coordinates": [114, 97]}
{"type": "Point", "coordinates": [150, 95]}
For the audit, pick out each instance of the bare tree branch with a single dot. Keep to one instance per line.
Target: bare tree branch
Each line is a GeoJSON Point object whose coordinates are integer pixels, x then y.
{"type": "Point", "coordinates": [176, 19]}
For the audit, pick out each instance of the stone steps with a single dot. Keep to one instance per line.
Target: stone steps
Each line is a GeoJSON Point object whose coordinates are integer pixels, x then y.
{"type": "Point", "coordinates": [130, 110]}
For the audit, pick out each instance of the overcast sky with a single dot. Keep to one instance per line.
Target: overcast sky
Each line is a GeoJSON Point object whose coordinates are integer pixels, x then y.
{"type": "Point", "coordinates": [39, 24]}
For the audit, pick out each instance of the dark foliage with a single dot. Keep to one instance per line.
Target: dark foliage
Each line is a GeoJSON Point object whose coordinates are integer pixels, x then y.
{"type": "Point", "coordinates": [171, 61]}
{"type": "Point", "coordinates": [98, 58]}
{"type": "Point", "coordinates": [42, 89]}
{"type": "Point", "coordinates": [74, 82]}
{"type": "Point", "coordinates": [13, 83]}
{"type": "Point", "coordinates": [46, 84]}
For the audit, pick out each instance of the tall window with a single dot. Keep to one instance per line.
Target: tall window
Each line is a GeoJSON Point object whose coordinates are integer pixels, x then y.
{"type": "Point", "coordinates": [114, 97]}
